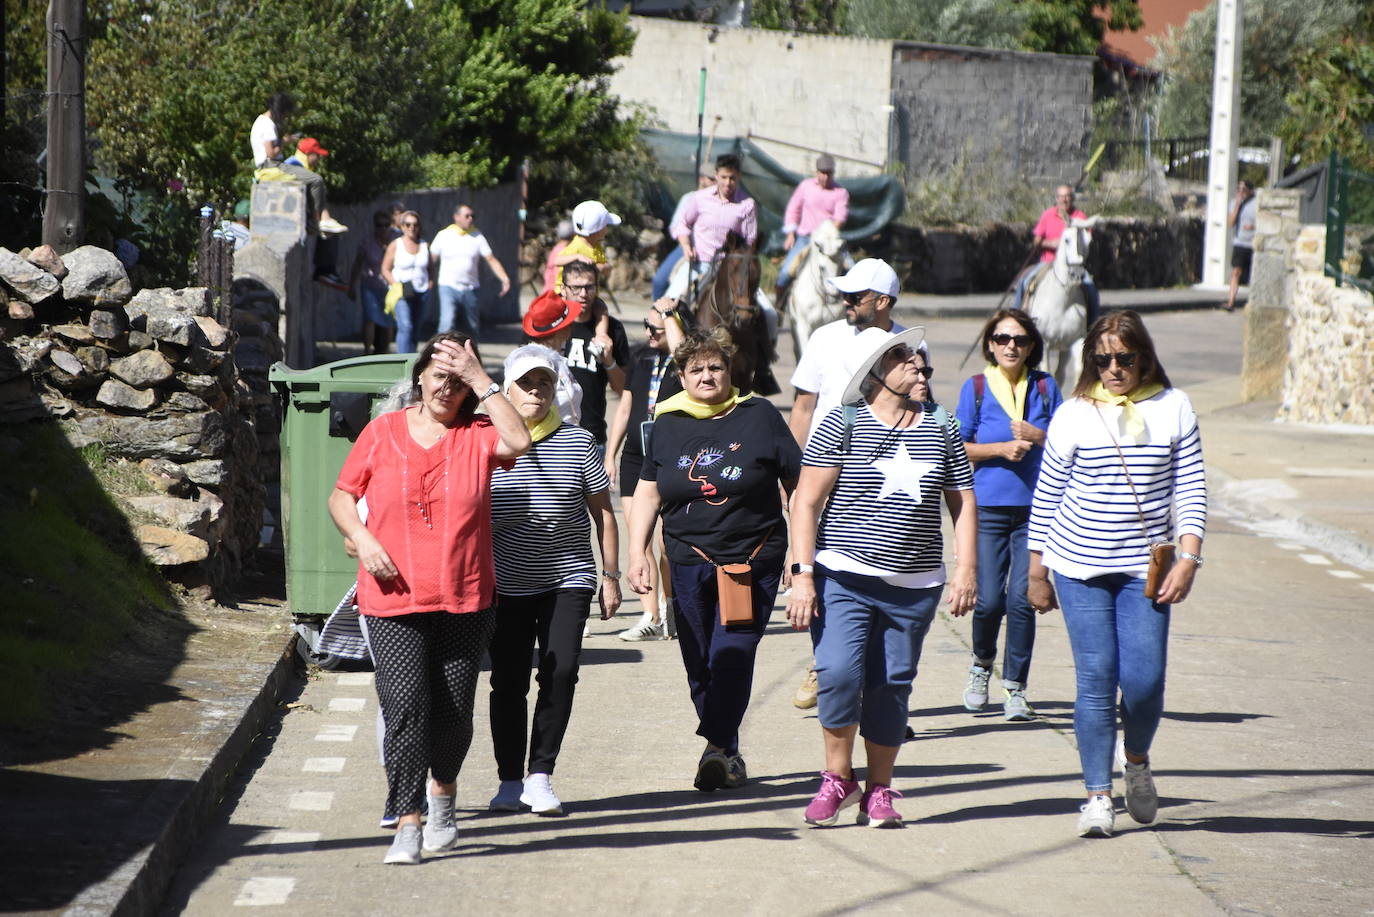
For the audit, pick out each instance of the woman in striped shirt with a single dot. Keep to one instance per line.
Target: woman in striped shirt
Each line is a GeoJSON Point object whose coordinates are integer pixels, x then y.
{"type": "Point", "coordinates": [866, 535]}
{"type": "Point", "coordinates": [1122, 468]}
{"type": "Point", "coordinates": [545, 580]}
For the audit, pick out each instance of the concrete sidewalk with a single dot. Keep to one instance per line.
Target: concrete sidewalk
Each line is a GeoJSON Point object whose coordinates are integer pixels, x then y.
{"type": "Point", "coordinates": [1265, 642]}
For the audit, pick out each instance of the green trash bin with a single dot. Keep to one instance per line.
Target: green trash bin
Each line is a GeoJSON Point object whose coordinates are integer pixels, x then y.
{"type": "Point", "coordinates": [324, 409]}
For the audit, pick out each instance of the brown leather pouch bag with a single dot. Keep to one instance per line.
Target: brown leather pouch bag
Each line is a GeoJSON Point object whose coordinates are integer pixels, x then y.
{"type": "Point", "coordinates": [1161, 562]}
{"type": "Point", "coordinates": [735, 586]}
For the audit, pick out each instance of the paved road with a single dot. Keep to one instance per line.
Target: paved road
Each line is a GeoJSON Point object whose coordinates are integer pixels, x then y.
{"type": "Point", "coordinates": [1261, 760]}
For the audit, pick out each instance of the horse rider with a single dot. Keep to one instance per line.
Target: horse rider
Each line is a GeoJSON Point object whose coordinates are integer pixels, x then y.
{"type": "Point", "coordinates": [710, 216]}
{"type": "Point", "coordinates": [1048, 230]}
{"type": "Point", "coordinates": [665, 270]}
{"type": "Point", "coordinates": [813, 202]}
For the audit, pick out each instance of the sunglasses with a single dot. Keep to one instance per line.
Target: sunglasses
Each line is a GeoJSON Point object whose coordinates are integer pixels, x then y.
{"type": "Point", "coordinates": [854, 299]}
{"type": "Point", "coordinates": [1124, 360]}
{"type": "Point", "coordinates": [408, 224]}
{"type": "Point", "coordinates": [651, 328]}
{"type": "Point", "coordinates": [1002, 340]}
{"type": "Point", "coordinates": [906, 355]}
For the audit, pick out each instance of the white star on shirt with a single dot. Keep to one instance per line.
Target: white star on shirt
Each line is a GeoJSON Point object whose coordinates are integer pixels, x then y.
{"type": "Point", "coordinates": [901, 472]}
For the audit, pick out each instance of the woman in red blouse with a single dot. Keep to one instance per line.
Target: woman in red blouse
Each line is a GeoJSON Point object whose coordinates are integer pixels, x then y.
{"type": "Point", "coordinates": [426, 584]}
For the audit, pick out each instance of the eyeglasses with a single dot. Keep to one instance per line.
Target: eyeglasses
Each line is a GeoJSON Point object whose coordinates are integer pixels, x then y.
{"type": "Point", "coordinates": [855, 299]}
{"type": "Point", "coordinates": [584, 289]}
{"type": "Point", "coordinates": [408, 224]}
{"type": "Point", "coordinates": [1002, 340]}
{"type": "Point", "coordinates": [651, 328]}
{"type": "Point", "coordinates": [1124, 360]}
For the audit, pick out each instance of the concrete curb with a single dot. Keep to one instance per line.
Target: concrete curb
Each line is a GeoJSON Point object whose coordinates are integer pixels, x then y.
{"type": "Point", "coordinates": [207, 763]}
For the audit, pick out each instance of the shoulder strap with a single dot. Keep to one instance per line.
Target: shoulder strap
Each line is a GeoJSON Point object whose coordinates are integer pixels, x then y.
{"type": "Point", "coordinates": [980, 384]}
{"type": "Point", "coordinates": [851, 416]}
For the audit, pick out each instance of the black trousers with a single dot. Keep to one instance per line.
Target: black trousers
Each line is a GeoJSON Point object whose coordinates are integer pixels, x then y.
{"type": "Point", "coordinates": [554, 620]}
{"type": "Point", "coordinates": [427, 669]}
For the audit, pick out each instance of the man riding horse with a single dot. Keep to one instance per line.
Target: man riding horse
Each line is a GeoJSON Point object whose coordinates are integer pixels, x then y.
{"type": "Point", "coordinates": [813, 202]}
{"type": "Point", "coordinates": [1050, 227]}
{"type": "Point", "coordinates": [712, 214]}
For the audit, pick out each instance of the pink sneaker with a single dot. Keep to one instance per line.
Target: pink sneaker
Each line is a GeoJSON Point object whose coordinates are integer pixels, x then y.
{"type": "Point", "coordinates": [836, 795]}
{"type": "Point", "coordinates": [875, 810]}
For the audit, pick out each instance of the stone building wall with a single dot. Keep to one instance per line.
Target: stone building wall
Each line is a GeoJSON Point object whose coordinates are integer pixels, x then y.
{"type": "Point", "coordinates": [1329, 376]}
{"type": "Point", "coordinates": [1272, 280]}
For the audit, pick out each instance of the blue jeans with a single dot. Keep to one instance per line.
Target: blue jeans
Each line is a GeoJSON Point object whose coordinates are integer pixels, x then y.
{"type": "Point", "coordinates": [1003, 567]}
{"type": "Point", "coordinates": [660, 285]}
{"type": "Point", "coordinates": [868, 638]}
{"type": "Point", "coordinates": [459, 304]}
{"type": "Point", "coordinates": [410, 312]}
{"type": "Point", "coordinates": [719, 660]}
{"type": "Point", "coordinates": [789, 261]}
{"type": "Point", "coordinates": [374, 307]}
{"type": "Point", "coordinates": [1120, 639]}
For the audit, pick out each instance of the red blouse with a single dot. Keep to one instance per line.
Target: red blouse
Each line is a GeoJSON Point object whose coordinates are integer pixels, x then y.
{"type": "Point", "coordinates": [431, 510]}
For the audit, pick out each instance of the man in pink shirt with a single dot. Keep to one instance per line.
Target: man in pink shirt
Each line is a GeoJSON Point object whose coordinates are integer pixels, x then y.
{"type": "Point", "coordinates": [1048, 229]}
{"type": "Point", "coordinates": [815, 201]}
{"type": "Point", "coordinates": [712, 214]}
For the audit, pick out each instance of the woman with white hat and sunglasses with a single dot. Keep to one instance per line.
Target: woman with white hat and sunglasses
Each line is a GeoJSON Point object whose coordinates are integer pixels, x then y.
{"type": "Point", "coordinates": [869, 558]}
{"type": "Point", "coordinates": [545, 580]}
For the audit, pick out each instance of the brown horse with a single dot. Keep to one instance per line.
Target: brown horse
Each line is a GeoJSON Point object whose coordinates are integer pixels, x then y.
{"type": "Point", "coordinates": [729, 299]}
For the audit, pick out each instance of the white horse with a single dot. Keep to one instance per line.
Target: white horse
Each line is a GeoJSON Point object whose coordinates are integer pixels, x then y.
{"type": "Point", "coordinates": [811, 300]}
{"type": "Point", "coordinates": [1058, 305]}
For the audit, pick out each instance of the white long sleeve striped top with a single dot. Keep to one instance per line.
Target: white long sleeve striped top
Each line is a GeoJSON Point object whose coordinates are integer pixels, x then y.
{"type": "Point", "coordinates": [1083, 516]}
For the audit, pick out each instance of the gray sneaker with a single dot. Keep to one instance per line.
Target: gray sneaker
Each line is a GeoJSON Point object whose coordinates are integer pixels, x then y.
{"type": "Point", "coordinates": [1016, 709]}
{"type": "Point", "coordinates": [1142, 800]}
{"type": "Point", "coordinates": [976, 691]}
{"type": "Point", "coordinates": [737, 775]}
{"type": "Point", "coordinates": [405, 849]}
{"type": "Point", "coordinates": [441, 831]}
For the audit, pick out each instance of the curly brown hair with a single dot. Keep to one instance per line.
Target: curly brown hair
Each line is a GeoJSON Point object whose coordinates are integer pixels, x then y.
{"type": "Point", "coordinates": [705, 343]}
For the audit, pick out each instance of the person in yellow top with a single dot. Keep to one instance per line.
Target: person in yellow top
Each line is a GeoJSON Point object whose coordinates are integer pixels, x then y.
{"type": "Point", "coordinates": [591, 220]}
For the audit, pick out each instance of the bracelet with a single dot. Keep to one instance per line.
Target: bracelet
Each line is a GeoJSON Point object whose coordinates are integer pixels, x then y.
{"type": "Point", "coordinates": [1189, 555]}
{"type": "Point", "coordinates": [611, 576]}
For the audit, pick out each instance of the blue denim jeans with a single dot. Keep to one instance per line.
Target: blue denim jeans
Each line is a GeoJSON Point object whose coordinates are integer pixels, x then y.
{"type": "Point", "coordinates": [868, 639]}
{"type": "Point", "coordinates": [410, 312]}
{"type": "Point", "coordinates": [1003, 566]}
{"type": "Point", "coordinates": [459, 304]}
{"type": "Point", "coordinates": [660, 285]}
{"type": "Point", "coordinates": [789, 261]}
{"type": "Point", "coordinates": [1120, 640]}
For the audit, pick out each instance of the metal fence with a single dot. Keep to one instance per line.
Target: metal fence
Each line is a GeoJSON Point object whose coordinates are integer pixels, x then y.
{"type": "Point", "coordinates": [1349, 201]}
{"type": "Point", "coordinates": [1182, 157]}
{"type": "Point", "coordinates": [215, 264]}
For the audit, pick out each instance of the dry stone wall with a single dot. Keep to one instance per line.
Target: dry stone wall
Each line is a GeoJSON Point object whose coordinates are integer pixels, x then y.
{"type": "Point", "coordinates": [153, 378]}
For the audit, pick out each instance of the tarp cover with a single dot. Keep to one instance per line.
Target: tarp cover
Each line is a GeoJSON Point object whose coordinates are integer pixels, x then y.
{"type": "Point", "coordinates": [873, 202]}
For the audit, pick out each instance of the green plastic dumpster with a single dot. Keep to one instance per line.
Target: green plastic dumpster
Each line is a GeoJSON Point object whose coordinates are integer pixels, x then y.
{"type": "Point", "coordinates": [324, 409]}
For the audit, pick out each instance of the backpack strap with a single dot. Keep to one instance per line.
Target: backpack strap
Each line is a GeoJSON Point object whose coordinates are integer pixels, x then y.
{"type": "Point", "coordinates": [980, 385]}
{"type": "Point", "coordinates": [851, 416]}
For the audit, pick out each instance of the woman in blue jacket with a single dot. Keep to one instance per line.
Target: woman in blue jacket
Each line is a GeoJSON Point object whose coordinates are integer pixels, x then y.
{"type": "Point", "coordinates": [1003, 413]}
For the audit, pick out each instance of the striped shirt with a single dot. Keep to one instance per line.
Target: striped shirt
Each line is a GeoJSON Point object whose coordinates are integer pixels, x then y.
{"type": "Point", "coordinates": [883, 516]}
{"type": "Point", "coordinates": [541, 530]}
{"type": "Point", "coordinates": [1083, 515]}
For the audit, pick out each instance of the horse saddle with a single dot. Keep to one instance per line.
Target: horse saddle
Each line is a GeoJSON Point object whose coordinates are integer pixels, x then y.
{"type": "Point", "coordinates": [1037, 274]}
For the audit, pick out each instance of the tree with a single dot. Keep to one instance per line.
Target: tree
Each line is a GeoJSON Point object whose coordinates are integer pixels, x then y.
{"type": "Point", "coordinates": [1074, 26]}
{"type": "Point", "coordinates": [1332, 108]}
{"type": "Point", "coordinates": [826, 17]}
{"type": "Point", "coordinates": [1276, 34]}
{"type": "Point", "coordinates": [979, 23]}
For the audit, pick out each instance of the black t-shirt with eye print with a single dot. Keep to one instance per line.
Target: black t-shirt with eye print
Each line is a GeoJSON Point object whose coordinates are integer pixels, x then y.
{"type": "Point", "coordinates": [718, 482]}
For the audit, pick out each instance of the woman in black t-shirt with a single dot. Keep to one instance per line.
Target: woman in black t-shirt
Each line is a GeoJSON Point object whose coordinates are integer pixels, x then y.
{"type": "Point", "coordinates": [712, 471]}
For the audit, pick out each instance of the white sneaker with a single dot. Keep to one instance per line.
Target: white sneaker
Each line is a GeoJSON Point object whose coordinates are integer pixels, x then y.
{"type": "Point", "coordinates": [1142, 800]}
{"type": "Point", "coordinates": [1098, 817]}
{"type": "Point", "coordinates": [646, 629]}
{"type": "Point", "coordinates": [405, 849]}
{"type": "Point", "coordinates": [976, 691]}
{"type": "Point", "coordinates": [540, 797]}
{"type": "Point", "coordinates": [332, 226]}
{"type": "Point", "coordinates": [507, 798]}
{"type": "Point", "coordinates": [441, 831]}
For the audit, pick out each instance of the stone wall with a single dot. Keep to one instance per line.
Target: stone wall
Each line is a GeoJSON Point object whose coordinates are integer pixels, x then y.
{"type": "Point", "coordinates": [151, 378]}
{"type": "Point", "coordinates": [1329, 376]}
{"type": "Point", "coordinates": [1272, 282]}
{"type": "Point", "coordinates": [1014, 115]}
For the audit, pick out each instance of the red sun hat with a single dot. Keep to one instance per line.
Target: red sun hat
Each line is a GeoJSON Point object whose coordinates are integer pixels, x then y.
{"type": "Point", "coordinates": [550, 313]}
{"type": "Point", "coordinates": [311, 145]}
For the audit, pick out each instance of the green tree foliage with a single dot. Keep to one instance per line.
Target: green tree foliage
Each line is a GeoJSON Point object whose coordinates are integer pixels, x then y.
{"type": "Point", "coordinates": [826, 17]}
{"type": "Point", "coordinates": [1076, 26]}
{"type": "Point", "coordinates": [1332, 108]}
{"type": "Point", "coordinates": [1276, 34]}
{"type": "Point", "coordinates": [980, 23]}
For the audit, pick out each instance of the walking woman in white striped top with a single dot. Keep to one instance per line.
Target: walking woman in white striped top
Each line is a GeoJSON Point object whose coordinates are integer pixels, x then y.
{"type": "Point", "coordinates": [542, 512]}
{"type": "Point", "coordinates": [1122, 469]}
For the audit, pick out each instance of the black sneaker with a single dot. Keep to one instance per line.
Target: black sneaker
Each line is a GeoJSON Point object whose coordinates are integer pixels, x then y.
{"type": "Point", "coordinates": [737, 774]}
{"type": "Point", "coordinates": [713, 771]}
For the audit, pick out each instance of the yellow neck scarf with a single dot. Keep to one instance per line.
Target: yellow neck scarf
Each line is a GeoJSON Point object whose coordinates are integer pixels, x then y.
{"type": "Point", "coordinates": [699, 409]}
{"type": "Point", "coordinates": [1011, 396]}
{"type": "Point", "coordinates": [458, 229]}
{"type": "Point", "coordinates": [1131, 421]}
{"type": "Point", "coordinates": [542, 429]}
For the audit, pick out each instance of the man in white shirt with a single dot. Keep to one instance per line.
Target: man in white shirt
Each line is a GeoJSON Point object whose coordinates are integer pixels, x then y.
{"type": "Point", "coordinates": [458, 250]}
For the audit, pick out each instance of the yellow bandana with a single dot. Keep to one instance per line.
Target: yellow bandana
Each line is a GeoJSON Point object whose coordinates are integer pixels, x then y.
{"type": "Point", "coordinates": [543, 428]}
{"type": "Point", "coordinates": [1011, 397]}
{"type": "Point", "coordinates": [1133, 423]}
{"type": "Point", "coordinates": [699, 409]}
{"type": "Point", "coordinates": [458, 229]}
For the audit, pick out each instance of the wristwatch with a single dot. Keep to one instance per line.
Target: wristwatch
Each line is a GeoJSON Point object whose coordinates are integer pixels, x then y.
{"type": "Point", "coordinates": [802, 568]}
{"type": "Point", "coordinates": [611, 575]}
{"type": "Point", "coordinates": [491, 390]}
{"type": "Point", "coordinates": [1189, 555]}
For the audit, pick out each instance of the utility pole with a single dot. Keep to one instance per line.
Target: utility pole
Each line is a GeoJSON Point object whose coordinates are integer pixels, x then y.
{"type": "Point", "coordinates": [1221, 167]}
{"type": "Point", "coordinates": [64, 212]}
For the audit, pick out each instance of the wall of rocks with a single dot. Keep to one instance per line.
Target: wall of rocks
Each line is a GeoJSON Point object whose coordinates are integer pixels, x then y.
{"type": "Point", "coordinates": [154, 378]}
{"type": "Point", "coordinates": [1272, 284]}
{"type": "Point", "coordinates": [1329, 375]}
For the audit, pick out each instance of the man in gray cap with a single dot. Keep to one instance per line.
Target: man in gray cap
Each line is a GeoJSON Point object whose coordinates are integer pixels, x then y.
{"type": "Point", "coordinates": [816, 200]}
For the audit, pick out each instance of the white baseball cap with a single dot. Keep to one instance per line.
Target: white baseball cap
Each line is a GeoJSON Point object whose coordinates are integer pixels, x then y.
{"type": "Point", "coordinates": [869, 274]}
{"type": "Point", "coordinates": [527, 358]}
{"type": "Point", "coordinates": [592, 216]}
